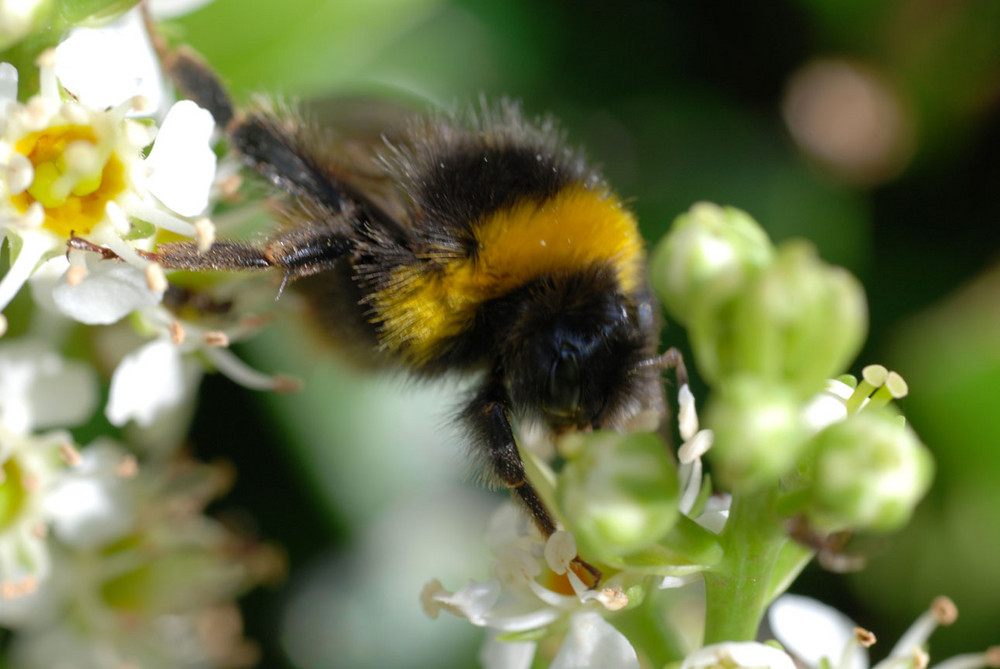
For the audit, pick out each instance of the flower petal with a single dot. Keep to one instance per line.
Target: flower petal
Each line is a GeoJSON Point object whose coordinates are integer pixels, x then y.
{"type": "Point", "coordinates": [110, 291]}
{"type": "Point", "coordinates": [738, 654]}
{"type": "Point", "coordinates": [90, 507]}
{"type": "Point", "coordinates": [474, 601]}
{"type": "Point", "coordinates": [103, 67]}
{"type": "Point", "coordinates": [8, 83]}
{"type": "Point", "coordinates": [593, 643]}
{"type": "Point", "coordinates": [181, 162]}
{"type": "Point", "coordinates": [41, 389]}
{"type": "Point", "coordinates": [828, 406]}
{"type": "Point", "coordinates": [168, 9]}
{"type": "Point", "coordinates": [811, 631]}
{"type": "Point", "coordinates": [146, 382]}
{"type": "Point", "coordinates": [496, 654]}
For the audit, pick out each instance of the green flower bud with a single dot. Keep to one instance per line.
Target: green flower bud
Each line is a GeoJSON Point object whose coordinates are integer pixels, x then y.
{"type": "Point", "coordinates": [866, 473]}
{"type": "Point", "coordinates": [19, 20]}
{"type": "Point", "coordinates": [618, 492]}
{"type": "Point", "coordinates": [759, 432]}
{"type": "Point", "coordinates": [707, 255]}
{"type": "Point", "coordinates": [799, 321]}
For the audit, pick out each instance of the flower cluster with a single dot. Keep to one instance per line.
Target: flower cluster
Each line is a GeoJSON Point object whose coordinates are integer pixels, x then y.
{"type": "Point", "coordinates": [107, 557]}
{"type": "Point", "coordinates": [798, 453]}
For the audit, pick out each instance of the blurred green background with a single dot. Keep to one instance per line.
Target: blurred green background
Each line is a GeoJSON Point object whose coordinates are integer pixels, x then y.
{"type": "Point", "coordinates": [871, 128]}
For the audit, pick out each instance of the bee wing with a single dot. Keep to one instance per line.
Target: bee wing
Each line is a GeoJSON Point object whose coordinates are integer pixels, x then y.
{"type": "Point", "coordinates": [352, 133]}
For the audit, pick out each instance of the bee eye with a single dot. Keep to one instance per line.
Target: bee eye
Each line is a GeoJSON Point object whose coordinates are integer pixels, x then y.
{"type": "Point", "coordinates": [563, 396]}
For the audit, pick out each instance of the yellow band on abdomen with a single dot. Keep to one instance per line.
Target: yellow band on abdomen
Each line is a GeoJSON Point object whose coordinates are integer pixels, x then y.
{"type": "Point", "coordinates": [424, 304]}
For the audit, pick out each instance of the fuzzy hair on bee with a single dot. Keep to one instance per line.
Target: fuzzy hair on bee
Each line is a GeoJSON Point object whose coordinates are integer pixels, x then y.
{"type": "Point", "coordinates": [474, 243]}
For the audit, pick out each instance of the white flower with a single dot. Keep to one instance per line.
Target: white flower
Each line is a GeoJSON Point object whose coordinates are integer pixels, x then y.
{"type": "Point", "coordinates": [30, 466]}
{"type": "Point", "coordinates": [159, 591]}
{"type": "Point", "coordinates": [122, 53]}
{"type": "Point", "coordinates": [533, 589]}
{"type": "Point", "coordinates": [593, 642]}
{"type": "Point", "coordinates": [731, 655]}
{"type": "Point", "coordinates": [161, 376]}
{"type": "Point", "coordinates": [813, 632]}
{"type": "Point", "coordinates": [878, 386]}
{"type": "Point", "coordinates": [821, 636]}
{"type": "Point", "coordinates": [40, 389]}
{"type": "Point", "coordinates": [67, 169]}
{"type": "Point", "coordinates": [154, 378]}
{"type": "Point", "coordinates": [108, 291]}
{"type": "Point", "coordinates": [92, 505]}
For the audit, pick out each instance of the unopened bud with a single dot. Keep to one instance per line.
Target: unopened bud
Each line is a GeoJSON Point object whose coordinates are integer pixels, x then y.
{"type": "Point", "coordinates": [799, 321]}
{"type": "Point", "coordinates": [759, 432]}
{"type": "Point", "coordinates": [866, 473]}
{"type": "Point", "coordinates": [618, 493]}
{"type": "Point", "coordinates": [708, 253]}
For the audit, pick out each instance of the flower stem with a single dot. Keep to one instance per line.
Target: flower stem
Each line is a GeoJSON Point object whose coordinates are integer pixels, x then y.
{"type": "Point", "coordinates": [738, 589]}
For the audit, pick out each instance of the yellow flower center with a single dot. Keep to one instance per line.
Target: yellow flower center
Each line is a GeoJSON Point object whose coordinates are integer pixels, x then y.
{"type": "Point", "coordinates": [75, 177]}
{"type": "Point", "coordinates": [12, 492]}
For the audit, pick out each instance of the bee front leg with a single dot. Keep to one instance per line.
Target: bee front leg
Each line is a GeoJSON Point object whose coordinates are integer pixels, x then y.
{"type": "Point", "coordinates": [487, 416]}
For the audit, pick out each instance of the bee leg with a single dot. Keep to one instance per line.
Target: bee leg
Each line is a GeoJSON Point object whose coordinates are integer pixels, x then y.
{"type": "Point", "coordinates": [487, 416]}
{"type": "Point", "coordinates": [267, 143]}
{"type": "Point", "coordinates": [298, 251]}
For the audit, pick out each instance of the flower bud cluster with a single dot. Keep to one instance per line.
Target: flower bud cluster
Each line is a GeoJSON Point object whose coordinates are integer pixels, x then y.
{"type": "Point", "coordinates": [768, 326]}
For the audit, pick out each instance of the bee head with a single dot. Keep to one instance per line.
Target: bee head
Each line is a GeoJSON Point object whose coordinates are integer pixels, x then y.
{"type": "Point", "coordinates": [577, 363]}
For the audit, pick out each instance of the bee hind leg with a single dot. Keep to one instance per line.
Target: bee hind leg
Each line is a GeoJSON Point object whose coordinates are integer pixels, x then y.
{"type": "Point", "coordinates": [487, 417]}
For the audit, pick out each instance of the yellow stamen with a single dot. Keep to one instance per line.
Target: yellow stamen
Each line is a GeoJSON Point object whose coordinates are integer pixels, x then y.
{"type": "Point", "coordinates": [73, 178]}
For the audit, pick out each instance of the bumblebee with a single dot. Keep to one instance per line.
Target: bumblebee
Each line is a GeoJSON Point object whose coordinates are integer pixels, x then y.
{"type": "Point", "coordinates": [483, 245]}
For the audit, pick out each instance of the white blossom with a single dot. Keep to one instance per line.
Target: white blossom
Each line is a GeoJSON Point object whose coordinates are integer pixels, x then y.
{"type": "Point", "coordinates": [527, 593]}
{"type": "Point", "coordinates": [732, 655]}
{"type": "Point", "coordinates": [820, 636]}
{"type": "Point", "coordinates": [69, 169]}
